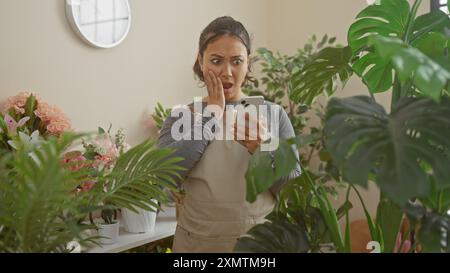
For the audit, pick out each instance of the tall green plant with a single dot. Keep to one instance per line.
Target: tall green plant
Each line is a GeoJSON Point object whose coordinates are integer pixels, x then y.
{"type": "Point", "coordinates": [393, 49]}
{"type": "Point", "coordinates": [279, 83]}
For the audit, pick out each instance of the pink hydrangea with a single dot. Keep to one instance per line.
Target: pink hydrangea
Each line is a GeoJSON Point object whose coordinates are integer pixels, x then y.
{"type": "Point", "coordinates": [57, 127]}
{"type": "Point", "coordinates": [17, 102]}
{"type": "Point", "coordinates": [54, 120]}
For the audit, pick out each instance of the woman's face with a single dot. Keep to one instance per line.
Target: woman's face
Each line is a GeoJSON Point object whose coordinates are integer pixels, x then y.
{"type": "Point", "coordinates": [227, 58]}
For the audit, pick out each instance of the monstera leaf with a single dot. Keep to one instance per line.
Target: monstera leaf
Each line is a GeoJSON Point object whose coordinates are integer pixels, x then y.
{"type": "Point", "coordinates": [363, 139]}
{"type": "Point", "coordinates": [261, 175]}
{"type": "Point", "coordinates": [275, 236]}
{"type": "Point", "coordinates": [390, 19]}
{"type": "Point", "coordinates": [410, 63]}
{"type": "Point", "coordinates": [320, 74]}
{"type": "Point", "coordinates": [435, 21]}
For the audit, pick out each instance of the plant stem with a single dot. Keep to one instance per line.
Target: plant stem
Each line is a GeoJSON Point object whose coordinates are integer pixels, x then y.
{"type": "Point", "coordinates": [439, 204]}
{"type": "Point", "coordinates": [410, 23]}
{"type": "Point", "coordinates": [328, 212]}
{"type": "Point", "coordinates": [348, 245]}
{"type": "Point", "coordinates": [396, 92]}
{"type": "Point", "coordinates": [372, 227]}
{"type": "Point", "coordinates": [397, 89]}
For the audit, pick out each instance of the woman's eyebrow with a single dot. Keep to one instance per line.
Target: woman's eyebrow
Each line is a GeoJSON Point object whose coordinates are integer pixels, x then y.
{"type": "Point", "coordinates": [219, 56]}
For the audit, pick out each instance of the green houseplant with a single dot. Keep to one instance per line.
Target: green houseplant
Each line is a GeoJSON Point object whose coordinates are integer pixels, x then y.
{"type": "Point", "coordinates": [405, 152]}
{"type": "Point", "coordinates": [42, 208]}
{"type": "Point", "coordinates": [277, 83]}
{"type": "Point", "coordinates": [296, 204]}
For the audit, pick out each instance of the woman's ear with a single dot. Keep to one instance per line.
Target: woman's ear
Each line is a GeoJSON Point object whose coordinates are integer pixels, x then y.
{"type": "Point", "coordinates": [200, 61]}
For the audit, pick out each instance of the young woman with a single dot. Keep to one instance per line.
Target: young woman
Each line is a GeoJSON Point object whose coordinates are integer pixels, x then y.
{"type": "Point", "coordinates": [216, 212]}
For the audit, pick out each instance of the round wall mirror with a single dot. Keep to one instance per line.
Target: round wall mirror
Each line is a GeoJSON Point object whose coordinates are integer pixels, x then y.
{"type": "Point", "coordinates": [100, 23]}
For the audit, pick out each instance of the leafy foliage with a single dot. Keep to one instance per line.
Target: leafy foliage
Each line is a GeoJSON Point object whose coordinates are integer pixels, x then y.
{"type": "Point", "coordinates": [160, 115]}
{"type": "Point", "coordinates": [363, 139]}
{"type": "Point", "coordinates": [140, 175]}
{"type": "Point", "coordinates": [276, 235]}
{"type": "Point", "coordinates": [405, 152]}
{"type": "Point", "coordinates": [410, 63]}
{"type": "Point", "coordinates": [279, 83]}
{"type": "Point", "coordinates": [39, 212]}
{"type": "Point", "coordinates": [319, 76]}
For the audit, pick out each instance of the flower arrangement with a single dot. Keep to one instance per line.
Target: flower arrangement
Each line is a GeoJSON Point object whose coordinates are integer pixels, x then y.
{"type": "Point", "coordinates": [97, 159]}
{"type": "Point", "coordinates": [28, 114]}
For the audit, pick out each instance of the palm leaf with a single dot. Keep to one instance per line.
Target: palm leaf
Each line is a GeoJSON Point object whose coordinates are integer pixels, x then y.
{"type": "Point", "coordinates": [37, 210]}
{"type": "Point", "coordinates": [141, 174]}
{"type": "Point", "coordinates": [319, 76]}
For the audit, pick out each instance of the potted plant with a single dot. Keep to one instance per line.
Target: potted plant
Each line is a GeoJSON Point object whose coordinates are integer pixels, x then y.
{"type": "Point", "coordinates": [39, 209]}
{"type": "Point", "coordinates": [142, 220]}
{"type": "Point", "coordinates": [130, 180]}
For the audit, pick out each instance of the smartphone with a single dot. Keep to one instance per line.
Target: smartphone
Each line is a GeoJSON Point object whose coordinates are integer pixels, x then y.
{"type": "Point", "coordinates": [252, 100]}
{"type": "Point", "coordinates": [256, 101]}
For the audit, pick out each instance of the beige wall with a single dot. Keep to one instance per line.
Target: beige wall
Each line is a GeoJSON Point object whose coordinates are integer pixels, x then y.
{"type": "Point", "coordinates": [40, 52]}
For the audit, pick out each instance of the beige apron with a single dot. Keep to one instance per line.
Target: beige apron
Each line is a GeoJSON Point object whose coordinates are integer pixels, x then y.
{"type": "Point", "coordinates": [215, 212]}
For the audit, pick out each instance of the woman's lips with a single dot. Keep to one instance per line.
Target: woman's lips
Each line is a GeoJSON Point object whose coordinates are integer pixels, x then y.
{"type": "Point", "coordinates": [227, 87]}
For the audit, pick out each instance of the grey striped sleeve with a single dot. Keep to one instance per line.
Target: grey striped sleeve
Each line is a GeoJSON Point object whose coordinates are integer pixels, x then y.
{"type": "Point", "coordinates": [189, 149]}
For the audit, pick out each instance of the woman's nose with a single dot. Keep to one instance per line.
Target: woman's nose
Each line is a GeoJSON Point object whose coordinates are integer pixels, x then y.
{"type": "Point", "coordinates": [226, 70]}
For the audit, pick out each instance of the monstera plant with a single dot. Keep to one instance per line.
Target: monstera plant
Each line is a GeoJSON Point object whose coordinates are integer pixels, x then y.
{"type": "Point", "coordinates": [405, 151]}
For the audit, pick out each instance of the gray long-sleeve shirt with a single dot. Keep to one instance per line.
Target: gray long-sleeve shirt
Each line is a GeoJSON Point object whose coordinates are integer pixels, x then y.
{"type": "Point", "coordinates": [191, 150]}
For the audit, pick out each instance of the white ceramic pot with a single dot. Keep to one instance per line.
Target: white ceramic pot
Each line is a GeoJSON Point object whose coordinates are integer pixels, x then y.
{"type": "Point", "coordinates": [110, 232]}
{"type": "Point", "coordinates": [141, 222]}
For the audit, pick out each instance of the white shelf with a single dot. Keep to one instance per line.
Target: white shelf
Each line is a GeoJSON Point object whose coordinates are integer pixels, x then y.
{"type": "Point", "coordinates": [165, 226]}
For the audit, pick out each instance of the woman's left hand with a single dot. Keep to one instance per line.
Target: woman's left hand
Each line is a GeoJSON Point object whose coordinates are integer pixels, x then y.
{"type": "Point", "coordinates": [242, 135]}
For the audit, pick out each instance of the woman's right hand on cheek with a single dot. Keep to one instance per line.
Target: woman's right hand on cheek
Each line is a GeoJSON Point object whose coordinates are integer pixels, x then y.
{"type": "Point", "coordinates": [216, 97]}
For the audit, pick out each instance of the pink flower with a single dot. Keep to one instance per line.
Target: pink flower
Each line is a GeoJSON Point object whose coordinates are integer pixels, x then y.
{"type": "Point", "coordinates": [87, 185]}
{"type": "Point", "coordinates": [13, 125]}
{"type": "Point", "coordinates": [74, 160]}
{"type": "Point", "coordinates": [406, 245]}
{"type": "Point", "coordinates": [17, 102]}
{"type": "Point", "coordinates": [107, 147]}
{"type": "Point", "coordinates": [56, 121]}
{"type": "Point", "coordinates": [101, 160]}
{"type": "Point", "coordinates": [53, 119]}
{"type": "Point", "coordinates": [57, 127]}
